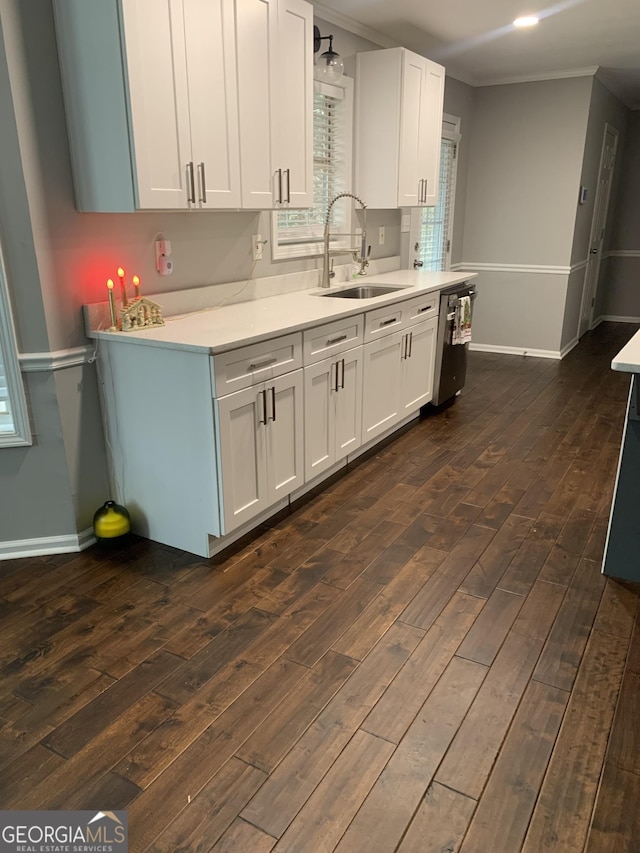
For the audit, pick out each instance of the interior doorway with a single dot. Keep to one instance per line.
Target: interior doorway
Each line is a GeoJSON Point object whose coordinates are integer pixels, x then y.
{"type": "Point", "coordinates": [598, 225]}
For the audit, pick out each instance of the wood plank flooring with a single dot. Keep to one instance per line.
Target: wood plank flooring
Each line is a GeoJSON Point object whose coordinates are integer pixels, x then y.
{"type": "Point", "coordinates": [421, 656]}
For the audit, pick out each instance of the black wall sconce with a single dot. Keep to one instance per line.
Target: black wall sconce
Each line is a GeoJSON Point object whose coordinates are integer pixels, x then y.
{"type": "Point", "coordinates": [329, 65]}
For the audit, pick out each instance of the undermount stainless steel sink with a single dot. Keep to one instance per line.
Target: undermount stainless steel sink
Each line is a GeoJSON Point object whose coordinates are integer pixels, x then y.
{"type": "Point", "coordinates": [361, 291]}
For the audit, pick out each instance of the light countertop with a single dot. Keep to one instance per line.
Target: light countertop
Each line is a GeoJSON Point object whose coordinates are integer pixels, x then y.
{"type": "Point", "coordinates": [628, 359]}
{"type": "Point", "coordinates": [214, 330]}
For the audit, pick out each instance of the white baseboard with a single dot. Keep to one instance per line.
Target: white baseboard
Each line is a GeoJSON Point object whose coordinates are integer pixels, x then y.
{"type": "Point", "coordinates": [568, 347]}
{"type": "Point", "coordinates": [533, 353]}
{"type": "Point", "coordinates": [47, 545]}
{"type": "Point", "coordinates": [613, 318]}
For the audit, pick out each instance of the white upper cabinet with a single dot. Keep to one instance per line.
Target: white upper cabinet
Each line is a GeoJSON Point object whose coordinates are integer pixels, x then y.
{"type": "Point", "coordinates": [275, 91]}
{"type": "Point", "coordinates": [398, 128]}
{"type": "Point", "coordinates": [153, 94]}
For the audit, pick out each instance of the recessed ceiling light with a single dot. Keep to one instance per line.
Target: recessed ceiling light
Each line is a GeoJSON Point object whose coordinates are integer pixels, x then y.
{"type": "Point", "coordinates": [526, 21]}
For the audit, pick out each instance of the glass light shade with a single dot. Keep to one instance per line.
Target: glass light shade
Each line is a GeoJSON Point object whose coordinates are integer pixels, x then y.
{"type": "Point", "coordinates": [329, 66]}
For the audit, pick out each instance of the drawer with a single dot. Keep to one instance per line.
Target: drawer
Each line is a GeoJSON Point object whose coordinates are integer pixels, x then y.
{"type": "Point", "coordinates": [240, 368]}
{"type": "Point", "coordinates": [383, 321]}
{"type": "Point", "coordinates": [326, 340]}
{"type": "Point", "coordinates": [421, 308]}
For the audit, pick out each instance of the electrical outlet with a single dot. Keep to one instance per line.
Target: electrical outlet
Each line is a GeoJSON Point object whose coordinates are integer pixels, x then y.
{"type": "Point", "coordinates": [257, 244]}
{"type": "Point", "coordinates": [381, 235]}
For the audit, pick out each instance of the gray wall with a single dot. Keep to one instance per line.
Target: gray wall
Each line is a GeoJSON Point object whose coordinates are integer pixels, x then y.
{"type": "Point", "coordinates": [524, 171]}
{"type": "Point", "coordinates": [34, 482]}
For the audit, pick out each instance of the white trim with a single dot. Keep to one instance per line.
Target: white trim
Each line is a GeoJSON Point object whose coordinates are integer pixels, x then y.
{"type": "Point", "coordinates": [20, 434]}
{"type": "Point", "coordinates": [37, 362]}
{"type": "Point", "coordinates": [352, 26]}
{"type": "Point", "coordinates": [534, 353]}
{"type": "Point", "coordinates": [589, 71]}
{"type": "Point", "coordinates": [69, 544]}
{"type": "Point", "coordinates": [522, 268]}
{"type": "Point", "coordinates": [616, 318]}
{"type": "Point", "coordinates": [581, 265]}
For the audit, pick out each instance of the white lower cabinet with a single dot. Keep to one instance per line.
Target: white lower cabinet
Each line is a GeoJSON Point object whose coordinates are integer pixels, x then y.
{"type": "Point", "coordinates": [398, 376]}
{"type": "Point", "coordinates": [332, 410]}
{"type": "Point", "coordinates": [416, 387]}
{"type": "Point", "coordinates": [260, 446]}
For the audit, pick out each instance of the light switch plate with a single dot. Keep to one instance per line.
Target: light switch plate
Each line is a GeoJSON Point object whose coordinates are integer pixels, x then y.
{"type": "Point", "coordinates": [381, 235]}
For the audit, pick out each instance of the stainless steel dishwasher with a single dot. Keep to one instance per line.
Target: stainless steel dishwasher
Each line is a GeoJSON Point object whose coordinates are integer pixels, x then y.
{"type": "Point", "coordinates": [451, 359]}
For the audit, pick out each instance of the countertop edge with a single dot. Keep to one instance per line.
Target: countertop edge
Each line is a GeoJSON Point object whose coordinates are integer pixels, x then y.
{"type": "Point", "coordinates": [340, 311]}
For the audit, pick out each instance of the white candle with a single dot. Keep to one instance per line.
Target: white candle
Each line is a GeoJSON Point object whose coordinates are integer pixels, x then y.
{"type": "Point", "coordinates": [112, 307]}
{"type": "Point", "coordinates": [123, 288]}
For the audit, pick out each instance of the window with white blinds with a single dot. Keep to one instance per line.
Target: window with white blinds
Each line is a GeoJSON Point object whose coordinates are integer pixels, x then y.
{"type": "Point", "coordinates": [299, 232]}
{"type": "Point", "coordinates": [437, 222]}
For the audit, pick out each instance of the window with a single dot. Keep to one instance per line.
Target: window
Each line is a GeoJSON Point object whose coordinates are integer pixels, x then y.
{"type": "Point", "coordinates": [298, 233]}
{"type": "Point", "coordinates": [435, 224]}
{"type": "Point", "coordinates": [14, 422]}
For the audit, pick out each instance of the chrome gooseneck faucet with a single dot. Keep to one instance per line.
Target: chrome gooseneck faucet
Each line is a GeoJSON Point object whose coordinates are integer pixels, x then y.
{"type": "Point", "coordinates": [327, 272]}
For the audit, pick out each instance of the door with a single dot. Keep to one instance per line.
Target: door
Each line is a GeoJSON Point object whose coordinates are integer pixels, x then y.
{"type": "Point", "coordinates": [418, 366]}
{"type": "Point", "coordinates": [348, 409]}
{"type": "Point", "coordinates": [295, 102]}
{"type": "Point", "coordinates": [159, 101]}
{"type": "Point", "coordinates": [381, 407]}
{"type": "Point", "coordinates": [241, 419]}
{"type": "Point", "coordinates": [284, 435]}
{"type": "Point", "coordinates": [257, 63]}
{"type": "Point", "coordinates": [598, 225]}
{"type": "Point", "coordinates": [431, 131]}
{"type": "Point", "coordinates": [210, 53]}
{"type": "Point", "coordinates": [411, 115]}
{"type": "Point", "coordinates": [319, 440]}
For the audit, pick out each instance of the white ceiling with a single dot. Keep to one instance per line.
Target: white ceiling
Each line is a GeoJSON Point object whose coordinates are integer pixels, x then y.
{"type": "Point", "coordinates": [477, 44]}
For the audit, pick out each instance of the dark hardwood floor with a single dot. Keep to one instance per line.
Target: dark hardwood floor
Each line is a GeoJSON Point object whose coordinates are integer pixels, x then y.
{"type": "Point", "coordinates": [421, 657]}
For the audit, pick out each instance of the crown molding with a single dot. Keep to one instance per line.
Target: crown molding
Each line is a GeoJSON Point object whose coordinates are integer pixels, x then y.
{"type": "Point", "coordinates": [355, 27]}
{"type": "Point", "coordinates": [590, 71]}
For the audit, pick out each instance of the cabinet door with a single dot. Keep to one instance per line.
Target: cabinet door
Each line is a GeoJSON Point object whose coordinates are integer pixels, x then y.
{"type": "Point", "coordinates": [159, 101]}
{"type": "Point", "coordinates": [295, 101]}
{"type": "Point", "coordinates": [412, 115]}
{"type": "Point", "coordinates": [319, 417]}
{"type": "Point", "coordinates": [348, 409]}
{"type": "Point", "coordinates": [210, 52]}
{"type": "Point", "coordinates": [431, 130]}
{"type": "Point", "coordinates": [242, 452]}
{"type": "Point", "coordinates": [418, 366]}
{"type": "Point", "coordinates": [381, 407]}
{"type": "Point", "coordinates": [257, 23]}
{"type": "Point", "coordinates": [284, 451]}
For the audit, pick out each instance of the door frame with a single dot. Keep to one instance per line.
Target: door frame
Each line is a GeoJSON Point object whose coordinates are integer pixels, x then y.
{"type": "Point", "coordinates": [608, 128]}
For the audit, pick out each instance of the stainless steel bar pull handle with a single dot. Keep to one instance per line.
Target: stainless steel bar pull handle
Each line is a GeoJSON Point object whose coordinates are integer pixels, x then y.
{"type": "Point", "coordinates": [424, 190]}
{"type": "Point", "coordinates": [279, 186]}
{"type": "Point", "coordinates": [263, 419]}
{"type": "Point", "coordinates": [288, 174]}
{"type": "Point", "coordinates": [335, 387]}
{"type": "Point", "coordinates": [342, 382]}
{"type": "Point", "coordinates": [273, 403]}
{"type": "Point", "coordinates": [337, 340]}
{"type": "Point", "coordinates": [203, 184]}
{"type": "Point", "coordinates": [262, 364]}
{"type": "Point", "coordinates": [389, 322]}
{"type": "Point", "coordinates": [192, 183]}
{"type": "Point", "coordinates": [420, 182]}
{"type": "Point", "coordinates": [410, 336]}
